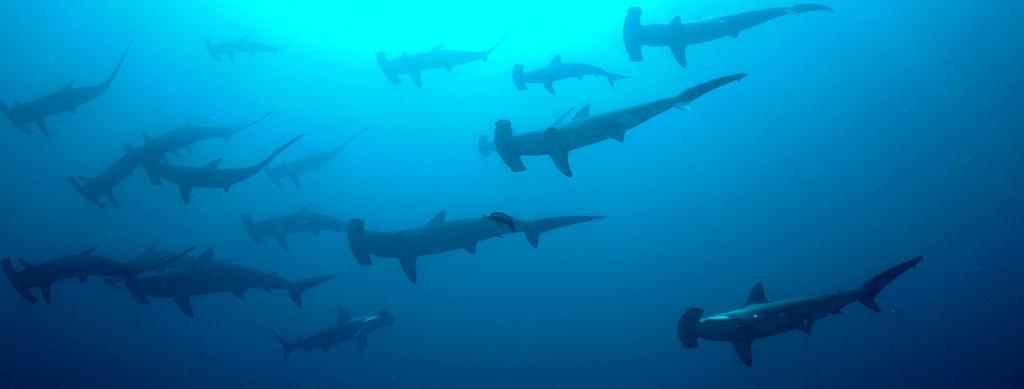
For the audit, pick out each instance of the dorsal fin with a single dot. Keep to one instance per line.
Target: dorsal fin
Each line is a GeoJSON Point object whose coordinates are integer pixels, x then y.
{"type": "Point", "coordinates": [676, 20]}
{"type": "Point", "coordinates": [88, 251]}
{"type": "Point", "coordinates": [582, 113]}
{"type": "Point", "coordinates": [343, 316]}
{"type": "Point", "coordinates": [206, 258]}
{"type": "Point", "coordinates": [438, 219]}
{"type": "Point", "coordinates": [304, 209]}
{"type": "Point", "coordinates": [214, 164]}
{"type": "Point", "coordinates": [557, 60]}
{"type": "Point", "coordinates": [438, 47]}
{"type": "Point", "coordinates": [757, 295]}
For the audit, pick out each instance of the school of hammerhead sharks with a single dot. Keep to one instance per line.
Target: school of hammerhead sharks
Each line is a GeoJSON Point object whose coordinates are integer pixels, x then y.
{"type": "Point", "coordinates": [180, 275]}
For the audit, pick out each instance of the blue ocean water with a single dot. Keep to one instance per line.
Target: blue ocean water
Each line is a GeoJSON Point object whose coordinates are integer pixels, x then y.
{"type": "Point", "coordinates": [860, 139]}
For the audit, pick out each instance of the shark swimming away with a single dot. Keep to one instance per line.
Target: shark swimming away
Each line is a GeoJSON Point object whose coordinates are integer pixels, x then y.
{"type": "Point", "coordinates": [437, 58]}
{"type": "Point", "coordinates": [346, 328]}
{"type": "Point", "coordinates": [314, 161]}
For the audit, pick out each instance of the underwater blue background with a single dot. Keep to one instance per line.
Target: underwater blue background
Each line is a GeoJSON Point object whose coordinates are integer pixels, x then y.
{"type": "Point", "coordinates": [861, 138]}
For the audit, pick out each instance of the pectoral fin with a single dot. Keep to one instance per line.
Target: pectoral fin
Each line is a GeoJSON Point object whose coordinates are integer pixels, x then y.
{"type": "Point", "coordinates": [185, 305]}
{"type": "Point", "coordinates": [409, 267]}
{"type": "Point", "coordinates": [415, 75]}
{"type": "Point", "coordinates": [282, 241]}
{"type": "Point", "coordinates": [743, 348]}
{"type": "Point", "coordinates": [42, 126]}
{"type": "Point", "coordinates": [679, 52]}
{"type": "Point", "coordinates": [561, 160]}
{"type": "Point", "coordinates": [186, 192]}
{"type": "Point", "coordinates": [361, 338]}
{"type": "Point", "coordinates": [549, 87]}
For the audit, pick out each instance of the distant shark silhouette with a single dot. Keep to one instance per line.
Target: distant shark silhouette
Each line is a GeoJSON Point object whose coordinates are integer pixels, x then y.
{"type": "Point", "coordinates": [436, 58]}
{"type": "Point", "coordinates": [584, 130]}
{"type": "Point", "coordinates": [68, 99]}
{"type": "Point", "coordinates": [761, 318]}
{"type": "Point", "coordinates": [678, 35]}
{"type": "Point", "coordinates": [302, 220]}
{"type": "Point", "coordinates": [293, 169]}
{"type": "Point", "coordinates": [439, 236]}
{"type": "Point", "coordinates": [347, 328]}
{"type": "Point", "coordinates": [243, 45]}
{"type": "Point", "coordinates": [558, 70]}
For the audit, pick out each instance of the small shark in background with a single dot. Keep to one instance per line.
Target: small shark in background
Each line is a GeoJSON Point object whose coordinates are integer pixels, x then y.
{"type": "Point", "coordinates": [558, 70]}
{"type": "Point", "coordinates": [243, 45]}
{"type": "Point", "coordinates": [439, 236]}
{"type": "Point", "coordinates": [182, 138]}
{"type": "Point", "coordinates": [761, 318]}
{"type": "Point", "coordinates": [293, 169]}
{"type": "Point", "coordinates": [677, 35]}
{"type": "Point", "coordinates": [436, 58]}
{"type": "Point", "coordinates": [347, 328]}
{"type": "Point", "coordinates": [67, 99]}
{"type": "Point", "coordinates": [302, 220]}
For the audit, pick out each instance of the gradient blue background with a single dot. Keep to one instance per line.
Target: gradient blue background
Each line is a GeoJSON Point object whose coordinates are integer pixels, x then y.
{"type": "Point", "coordinates": [860, 139]}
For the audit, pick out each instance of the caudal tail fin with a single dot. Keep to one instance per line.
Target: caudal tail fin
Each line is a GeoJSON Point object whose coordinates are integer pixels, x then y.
{"type": "Point", "coordinates": [612, 77]}
{"type": "Point", "coordinates": [116, 68]}
{"type": "Point", "coordinates": [689, 95]}
{"type": "Point", "coordinates": [296, 289]}
{"type": "Point", "coordinates": [517, 77]}
{"type": "Point", "coordinates": [533, 229]}
{"type": "Point", "coordinates": [285, 345]}
{"type": "Point", "coordinates": [277, 152]}
{"type": "Point", "coordinates": [16, 281]}
{"type": "Point", "coordinates": [802, 8]}
{"type": "Point", "coordinates": [247, 223]}
{"type": "Point", "coordinates": [282, 47]}
{"type": "Point", "coordinates": [874, 286]}
{"type": "Point", "coordinates": [687, 327]}
{"type": "Point", "coordinates": [357, 241]}
{"type": "Point", "coordinates": [385, 66]}
{"type": "Point", "coordinates": [631, 35]}
{"type": "Point", "coordinates": [490, 50]}
{"type": "Point", "coordinates": [236, 129]}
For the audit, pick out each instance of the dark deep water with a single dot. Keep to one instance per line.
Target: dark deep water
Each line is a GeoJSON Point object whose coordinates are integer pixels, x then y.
{"type": "Point", "coordinates": [861, 138]}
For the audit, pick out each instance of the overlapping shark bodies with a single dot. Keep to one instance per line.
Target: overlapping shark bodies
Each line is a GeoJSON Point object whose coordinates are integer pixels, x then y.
{"type": "Point", "coordinates": [558, 70]}
{"type": "Point", "coordinates": [209, 175]}
{"type": "Point", "coordinates": [584, 130]}
{"type": "Point", "coordinates": [182, 138]}
{"type": "Point", "coordinates": [82, 266]}
{"type": "Point", "coordinates": [159, 261]}
{"type": "Point", "coordinates": [68, 99]}
{"type": "Point", "coordinates": [211, 278]}
{"type": "Point", "coordinates": [761, 318]}
{"type": "Point", "coordinates": [347, 328]}
{"type": "Point", "coordinates": [439, 236]}
{"type": "Point", "coordinates": [436, 58]}
{"type": "Point", "coordinates": [302, 220]}
{"type": "Point", "coordinates": [243, 45]}
{"type": "Point", "coordinates": [678, 35]}
{"type": "Point", "coordinates": [293, 169]}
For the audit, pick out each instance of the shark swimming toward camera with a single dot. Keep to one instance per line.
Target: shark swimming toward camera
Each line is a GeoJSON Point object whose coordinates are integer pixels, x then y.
{"type": "Point", "coordinates": [761, 318]}
{"type": "Point", "coordinates": [293, 169]}
{"type": "Point", "coordinates": [436, 58]}
{"type": "Point", "coordinates": [584, 130]}
{"type": "Point", "coordinates": [677, 36]}
{"type": "Point", "coordinates": [302, 220]}
{"type": "Point", "coordinates": [82, 266]}
{"type": "Point", "coordinates": [68, 99]}
{"type": "Point", "coordinates": [209, 175]}
{"type": "Point", "coordinates": [213, 278]}
{"type": "Point", "coordinates": [439, 236]}
{"type": "Point", "coordinates": [558, 70]}
{"type": "Point", "coordinates": [347, 328]}
{"type": "Point", "coordinates": [243, 45]}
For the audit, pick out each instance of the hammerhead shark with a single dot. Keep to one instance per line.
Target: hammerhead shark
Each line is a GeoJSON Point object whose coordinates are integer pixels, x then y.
{"type": "Point", "coordinates": [67, 99]}
{"type": "Point", "coordinates": [313, 161]}
{"type": "Point", "coordinates": [439, 236]}
{"type": "Point", "coordinates": [158, 261]}
{"type": "Point", "coordinates": [181, 285]}
{"type": "Point", "coordinates": [584, 130]}
{"type": "Point", "coordinates": [558, 70]}
{"type": "Point", "coordinates": [347, 328]}
{"type": "Point", "coordinates": [243, 45]}
{"type": "Point", "coordinates": [302, 220]}
{"type": "Point", "coordinates": [92, 189]}
{"type": "Point", "coordinates": [209, 175]}
{"type": "Point", "coordinates": [82, 266]}
{"type": "Point", "coordinates": [761, 318]}
{"type": "Point", "coordinates": [182, 138]}
{"type": "Point", "coordinates": [677, 35]}
{"type": "Point", "coordinates": [436, 58]}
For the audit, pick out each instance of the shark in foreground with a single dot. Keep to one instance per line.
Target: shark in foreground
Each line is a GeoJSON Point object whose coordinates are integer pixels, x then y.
{"type": "Point", "coordinates": [677, 35]}
{"type": "Point", "coordinates": [436, 58]}
{"type": "Point", "coordinates": [558, 70]}
{"type": "Point", "coordinates": [302, 220]}
{"type": "Point", "coordinates": [584, 130]}
{"type": "Point", "coordinates": [347, 328]}
{"type": "Point", "coordinates": [440, 235]}
{"type": "Point", "coordinates": [67, 99]}
{"type": "Point", "coordinates": [243, 45]}
{"type": "Point", "coordinates": [761, 318]}
{"type": "Point", "coordinates": [314, 161]}
{"type": "Point", "coordinates": [159, 261]}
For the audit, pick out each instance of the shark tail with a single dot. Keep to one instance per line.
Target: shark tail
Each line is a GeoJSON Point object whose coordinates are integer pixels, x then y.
{"type": "Point", "coordinates": [517, 77]}
{"type": "Point", "coordinates": [116, 68]}
{"type": "Point", "coordinates": [488, 52]}
{"type": "Point", "coordinates": [385, 66]}
{"type": "Point", "coordinates": [236, 129]}
{"type": "Point", "coordinates": [296, 289]}
{"type": "Point", "coordinates": [533, 229]}
{"type": "Point", "coordinates": [282, 47]}
{"type": "Point", "coordinates": [266, 161]}
{"type": "Point", "coordinates": [357, 241]}
{"type": "Point", "coordinates": [689, 95]}
{"type": "Point", "coordinates": [687, 327]}
{"type": "Point", "coordinates": [16, 281]}
{"type": "Point", "coordinates": [870, 289]}
{"type": "Point", "coordinates": [612, 77]}
{"type": "Point", "coordinates": [247, 223]}
{"type": "Point", "coordinates": [803, 8]}
{"type": "Point", "coordinates": [631, 35]}
{"type": "Point", "coordinates": [285, 345]}
{"type": "Point", "coordinates": [135, 272]}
